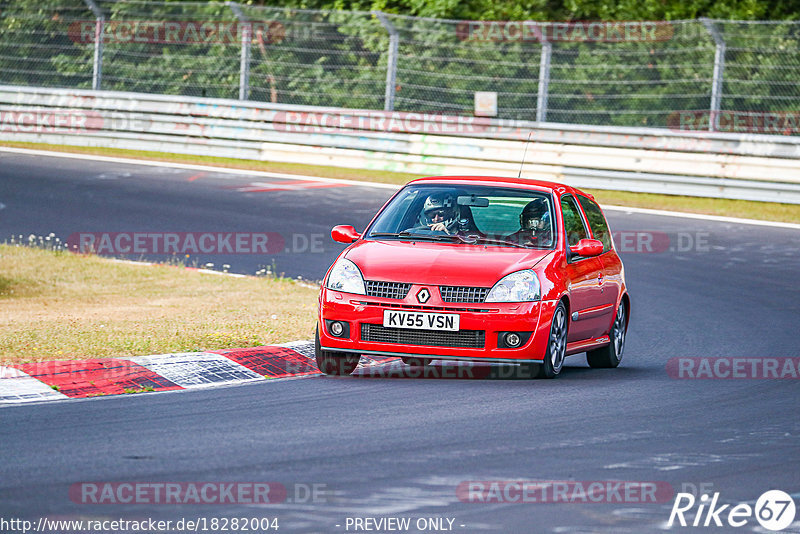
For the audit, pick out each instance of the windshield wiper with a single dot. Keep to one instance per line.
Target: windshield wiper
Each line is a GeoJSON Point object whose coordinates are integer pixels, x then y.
{"type": "Point", "coordinates": [413, 235]}
{"type": "Point", "coordinates": [469, 239]}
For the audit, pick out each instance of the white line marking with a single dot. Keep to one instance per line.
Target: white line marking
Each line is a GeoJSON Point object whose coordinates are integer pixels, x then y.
{"type": "Point", "coordinates": [196, 369]}
{"type": "Point", "coordinates": [16, 386]}
{"type": "Point", "coordinates": [191, 166]}
{"type": "Point", "coordinates": [703, 217]}
{"type": "Point", "coordinates": [225, 170]}
{"type": "Point", "coordinates": [2, 206]}
{"type": "Point", "coordinates": [306, 348]}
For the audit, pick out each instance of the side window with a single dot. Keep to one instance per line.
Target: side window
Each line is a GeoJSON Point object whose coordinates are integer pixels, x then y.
{"type": "Point", "coordinates": [573, 223]}
{"type": "Point", "coordinates": [596, 221]}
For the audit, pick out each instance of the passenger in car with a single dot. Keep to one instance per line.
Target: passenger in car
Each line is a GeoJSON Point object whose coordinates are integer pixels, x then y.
{"type": "Point", "coordinates": [536, 228]}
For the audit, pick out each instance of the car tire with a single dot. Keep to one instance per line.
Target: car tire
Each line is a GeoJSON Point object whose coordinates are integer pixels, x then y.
{"type": "Point", "coordinates": [334, 363]}
{"type": "Point", "coordinates": [610, 355]}
{"type": "Point", "coordinates": [416, 362]}
{"type": "Point", "coordinates": [556, 345]}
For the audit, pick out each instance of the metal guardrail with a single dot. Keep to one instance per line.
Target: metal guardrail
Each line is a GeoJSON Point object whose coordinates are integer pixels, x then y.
{"type": "Point", "coordinates": [737, 166]}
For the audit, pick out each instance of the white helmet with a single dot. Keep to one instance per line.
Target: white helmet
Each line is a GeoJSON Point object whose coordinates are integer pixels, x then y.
{"type": "Point", "coordinates": [441, 207]}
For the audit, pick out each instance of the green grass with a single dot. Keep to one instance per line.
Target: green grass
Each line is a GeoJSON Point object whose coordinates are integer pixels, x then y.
{"type": "Point", "coordinates": [767, 211]}
{"type": "Point", "coordinates": [746, 209]}
{"type": "Point", "coordinates": [60, 305]}
{"type": "Point", "coordinates": [145, 389]}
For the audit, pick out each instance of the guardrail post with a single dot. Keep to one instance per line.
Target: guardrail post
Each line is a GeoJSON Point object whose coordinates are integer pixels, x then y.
{"type": "Point", "coordinates": [391, 68]}
{"type": "Point", "coordinates": [97, 64]}
{"type": "Point", "coordinates": [719, 69]}
{"type": "Point", "coordinates": [244, 61]}
{"type": "Point", "coordinates": [544, 80]}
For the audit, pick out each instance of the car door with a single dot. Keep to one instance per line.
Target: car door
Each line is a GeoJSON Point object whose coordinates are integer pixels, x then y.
{"type": "Point", "coordinates": [584, 276]}
{"type": "Point", "coordinates": [611, 284]}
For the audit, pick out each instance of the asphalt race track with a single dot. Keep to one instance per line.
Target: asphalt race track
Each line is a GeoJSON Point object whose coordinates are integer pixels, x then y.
{"type": "Point", "coordinates": [70, 196]}
{"type": "Point", "coordinates": [382, 445]}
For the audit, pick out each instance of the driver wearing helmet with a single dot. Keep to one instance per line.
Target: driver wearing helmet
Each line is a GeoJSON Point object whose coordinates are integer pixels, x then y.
{"type": "Point", "coordinates": [440, 213]}
{"type": "Point", "coordinates": [535, 225]}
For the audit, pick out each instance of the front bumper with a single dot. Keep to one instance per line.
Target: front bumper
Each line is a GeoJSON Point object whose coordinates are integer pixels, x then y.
{"type": "Point", "coordinates": [490, 318]}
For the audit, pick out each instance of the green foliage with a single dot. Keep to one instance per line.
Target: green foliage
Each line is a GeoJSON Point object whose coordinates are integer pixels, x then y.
{"type": "Point", "coordinates": [35, 48]}
{"type": "Point", "coordinates": [339, 58]}
{"type": "Point", "coordinates": [543, 10]}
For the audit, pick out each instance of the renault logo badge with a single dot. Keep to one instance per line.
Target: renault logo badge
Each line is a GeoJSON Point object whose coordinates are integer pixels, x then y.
{"type": "Point", "coordinates": [423, 295]}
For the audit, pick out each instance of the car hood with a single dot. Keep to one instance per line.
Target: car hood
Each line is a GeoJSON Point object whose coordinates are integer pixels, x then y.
{"type": "Point", "coordinates": [421, 262]}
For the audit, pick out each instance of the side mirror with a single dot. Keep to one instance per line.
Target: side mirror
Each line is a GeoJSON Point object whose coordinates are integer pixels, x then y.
{"type": "Point", "coordinates": [344, 233]}
{"type": "Point", "coordinates": [587, 247]}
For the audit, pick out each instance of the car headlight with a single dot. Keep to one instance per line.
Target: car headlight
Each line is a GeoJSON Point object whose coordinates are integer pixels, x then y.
{"type": "Point", "coordinates": [521, 286]}
{"type": "Point", "coordinates": [346, 277]}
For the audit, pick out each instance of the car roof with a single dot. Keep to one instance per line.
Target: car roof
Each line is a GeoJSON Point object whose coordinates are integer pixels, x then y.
{"type": "Point", "coordinates": [527, 183]}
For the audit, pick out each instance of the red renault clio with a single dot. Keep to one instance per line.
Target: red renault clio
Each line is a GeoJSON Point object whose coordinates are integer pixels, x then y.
{"type": "Point", "coordinates": [479, 269]}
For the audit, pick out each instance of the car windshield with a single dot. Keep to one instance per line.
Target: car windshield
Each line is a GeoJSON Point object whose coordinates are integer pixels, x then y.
{"type": "Point", "coordinates": [468, 214]}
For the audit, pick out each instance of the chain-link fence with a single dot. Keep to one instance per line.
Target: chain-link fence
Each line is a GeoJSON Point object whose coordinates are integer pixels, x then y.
{"type": "Point", "coordinates": [698, 74]}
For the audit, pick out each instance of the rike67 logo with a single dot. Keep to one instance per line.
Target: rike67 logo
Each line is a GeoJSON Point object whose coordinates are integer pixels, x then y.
{"type": "Point", "coordinates": [774, 510]}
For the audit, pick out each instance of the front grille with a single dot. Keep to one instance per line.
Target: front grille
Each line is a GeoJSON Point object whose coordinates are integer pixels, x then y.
{"type": "Point", "coordinates": [467, 339]}
{"type": "Point", "coordinates": [463, 294]}
{"type": "Point", "coordinates": [387, 290]}
{"type": "Point", "coordinates": [404, 306]}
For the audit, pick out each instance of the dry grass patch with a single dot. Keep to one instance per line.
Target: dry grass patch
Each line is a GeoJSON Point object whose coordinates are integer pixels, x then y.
{"type": "Point", "coordinates": [58, 305]}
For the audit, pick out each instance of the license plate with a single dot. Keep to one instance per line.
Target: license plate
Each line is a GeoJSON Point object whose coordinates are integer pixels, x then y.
{"type": "Point", "coordinates": [420, 320]}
